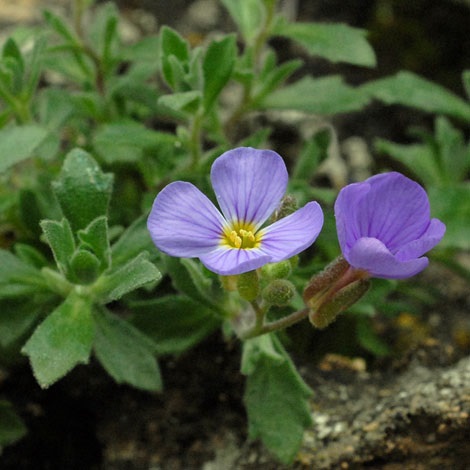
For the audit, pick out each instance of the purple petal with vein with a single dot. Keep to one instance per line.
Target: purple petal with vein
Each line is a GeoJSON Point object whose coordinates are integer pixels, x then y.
{"type": "Point", "coordinates": [289, 236]}
{"type": "Point", "coordinates": [183, 222]}
{"type": "Point", "coordinates": [393, 210]}
{"type": "Point", "coordinates": [373, 256]}
{"type": "Point", "coordinates": [230, 261]}
{"type": "Point", "coordinates": [249, 184]}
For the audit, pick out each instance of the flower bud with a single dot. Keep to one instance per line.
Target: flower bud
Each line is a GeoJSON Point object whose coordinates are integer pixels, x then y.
{"type": "Point", "coordinates": [339, 302]}
{"type": "Point", "coordinates": [279, 292]}
{"type": "Point", "coordinates": [248, 285]}
{"type": "Point", "coordinates": [321, 284]}
{"type": "Point", "coordinates": [279, 270]}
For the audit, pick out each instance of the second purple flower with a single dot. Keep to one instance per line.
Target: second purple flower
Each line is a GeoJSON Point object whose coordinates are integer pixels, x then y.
{"type": "Point", "coordinates": [249, 185]}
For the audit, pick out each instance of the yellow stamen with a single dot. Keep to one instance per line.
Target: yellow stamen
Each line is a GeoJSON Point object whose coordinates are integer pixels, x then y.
{"type": "Point", "coordinates": [240, 235]}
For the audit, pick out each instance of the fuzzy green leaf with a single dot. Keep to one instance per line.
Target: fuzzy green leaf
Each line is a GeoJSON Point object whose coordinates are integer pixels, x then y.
{"type": "Point", "coordinates": [83, 190]}
{"type": "Point", "coordinates": [19, 143]}
{"type": "Point", "coordinates": [136, 273]}
{"type": "Point", "coordinates": [59, 236]}
{"type": "Point", "coordinates": [327, 95]}
{"type": "Point", "coordinates": [175, 323]}
{"type": "Point", "coordinates": [63, 340]}
{"type": "Point", "coordinates": [95, 238]}
{"type": "Point", "coordinates": [173, 49]}
{"type": "Point", "coordinates": [126, 353]}
{"type": "Point", "coordinates": [217, 68]}
{"type": "Point", "coordinates": [408, 89]}
{"type": "Point", "coordinates": [335, 42]}
{"type": "Point", "coordinates": [452, 206]}
{"type": "Point", "coordinates": [12, 428]}
{"type": "Point", "coordinates": [248, 16]}
{"type": "Point", "coordinates": [134, 240]}
{"type": "Point", "coordinates": [276, 397]}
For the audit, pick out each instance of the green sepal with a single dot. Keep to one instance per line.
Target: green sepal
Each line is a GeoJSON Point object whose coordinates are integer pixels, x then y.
{"type": "Point", "coordinates": [63, 340]}
{"type": "Point", "coordinates": [276, 397]}
{"type": "Point", "coordinates": [60, 238]}
{"type": "Point", "coordinates": [84, 266]}
{"type": "Point", "coordinates": [83, 190]}
{"type": "Point", "coordinates": [124, 279]}
{"type": "Point", "coordinates": [95, 239]}
{"type": "Point", "coordinates": [217, 68]}
{"type": "Point", "coordinates": [248, 285]}
{"type": "Point", "coordinates": [126, 353]}
{"type": "Point", "coordinates": [174, 322]}
{"type": "Point", "coordinates": [12, 427]}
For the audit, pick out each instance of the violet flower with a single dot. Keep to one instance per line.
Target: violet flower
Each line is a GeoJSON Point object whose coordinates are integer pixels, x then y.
{"type": "Point", "coordinates": [384, 226]}
{"type": "Point", "coordinates": [249, 185]}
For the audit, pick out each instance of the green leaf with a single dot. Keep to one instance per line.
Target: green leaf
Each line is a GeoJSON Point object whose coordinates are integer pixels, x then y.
{"type": "Point", "coordinates": [466, 82]}
{"type": "Point", "coordinates": [408, 89]}
{"type": "Point", "coordinates": [173, 49]}
{"type": "Point", "coordinates": [12, 428]}
{"type": "Point", "coordinates": [95, 238]}
{"type": "Point", "coordinates": [59, 236]}
{"type": "Point", "coordinates": [126, 353]}
{"type": "Point", "coordinates": [15, 271]}
{"type": "Point", "coordinates": [63, 340]}
{"type": "Point", "coordinates": [248, 16]}
{"type": "Point", "coordinates": [174, 322]}
{"type": "Point", "coordinates": [84, 267]}
{"type": "Point", "coordinates": [419, 158]}
{"type": "Point", "coordinates": [217, 68]}
{"type": "Point", "coordinates": [60, 26]}
{"type": "Point", "coordinates": [17, 317]}
{"type": "Point", "coordinates": [188, 278]}
{"type": "Point", "coordinates": [124, 279]}
{"type": "Point", "coordinates": [19, 143]}
{"type": "Point", "coordinates": [134, 240]}
{"type": "Point", "coordinates": [452, 205]}
{"type": "Point", "coordinates": [124, 142]}
{"type": "Point", "coordinates": [326, 95]}
{"type": "Point", "coordinates": [272, 79]}
{"type": "Point", "coordinates": [335, 42]}
{"type": "Point", "coordinates": [185, 101]}
{"type": "Point", "coordinates": [276, 397]}
{"type": "Point", "coordinates": [30, 255]}
{"type": "Point", "coordinates": [83, 190]}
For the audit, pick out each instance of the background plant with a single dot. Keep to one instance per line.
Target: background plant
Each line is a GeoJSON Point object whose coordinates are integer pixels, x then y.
{"type": "Point", "coordinates": [91, 128]}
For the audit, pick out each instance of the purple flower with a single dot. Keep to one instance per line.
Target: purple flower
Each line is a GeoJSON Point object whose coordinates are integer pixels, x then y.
{"type": "Point", "coordinates": [384, 226]}
{"type": "Point", "coordinates": [249, 185]}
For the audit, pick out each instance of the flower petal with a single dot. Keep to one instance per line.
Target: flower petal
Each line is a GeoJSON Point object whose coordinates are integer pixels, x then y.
{"type": "Point", "coordinates": [373, 256]}
{"type": "Point", "coordinates": [428, 240]}
{"type": "Point", "coordinates": [230, 261]}
{"type": "Point", "coordinates": [389, 207]}
{"type": "Point", "coordinates": [289, 236]}
{"type": "Point", "coordinates": [183, 222]}
{"type": "Point", "coordinates": [249, 184]}
{"type": "Point", "coordinates": [347, 221]}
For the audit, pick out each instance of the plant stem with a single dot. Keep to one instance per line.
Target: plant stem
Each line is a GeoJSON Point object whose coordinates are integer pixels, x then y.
{"type": "Point", "coordinates": [262, 329]}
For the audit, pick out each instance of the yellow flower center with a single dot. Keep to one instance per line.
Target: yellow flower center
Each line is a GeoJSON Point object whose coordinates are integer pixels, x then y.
{"type": "Point", "coordinates": [240, 235]}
